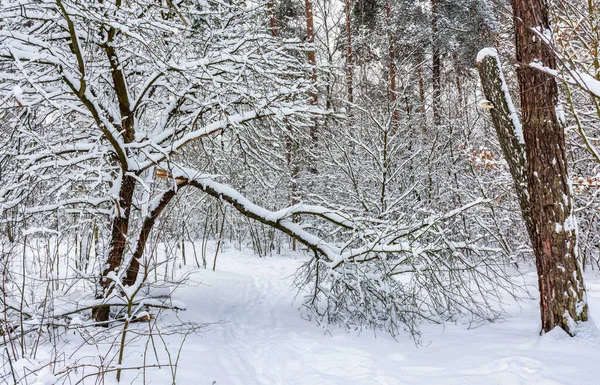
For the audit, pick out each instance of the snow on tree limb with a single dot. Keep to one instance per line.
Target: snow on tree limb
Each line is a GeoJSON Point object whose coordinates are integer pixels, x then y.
{"type": "Point", "coordinates": [281, 220]}
{"type": "Point", "coordinates": [512, 111]}
{"type": "Point", "coordinates": [582, 80]}
{"type": "Point", "coordinates": [507, 125]}
{"type": "Point", "coordinates": [569, 75]}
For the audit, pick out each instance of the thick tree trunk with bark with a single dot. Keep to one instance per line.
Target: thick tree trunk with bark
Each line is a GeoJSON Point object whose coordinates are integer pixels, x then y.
{"type": "Point", "coordinates": [118, 244]}
{"type": "Point", "coordinates": [562, 291]}
{"type": "Point", "coordinates": [508, 128]}
{"type": "Point", "coordinates": [313, 98]}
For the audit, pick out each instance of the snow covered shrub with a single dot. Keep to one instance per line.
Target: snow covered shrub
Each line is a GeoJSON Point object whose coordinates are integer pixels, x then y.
{"type": "Point", "coordinates": [118, 110]}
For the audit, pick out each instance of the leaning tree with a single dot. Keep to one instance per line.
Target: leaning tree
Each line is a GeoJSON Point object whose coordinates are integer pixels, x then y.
{"type": "Point", "coordinates": [537, 157]}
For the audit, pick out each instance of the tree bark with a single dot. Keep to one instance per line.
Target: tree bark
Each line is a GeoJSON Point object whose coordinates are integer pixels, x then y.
{"type": "Point", "coordinates": [421, 89]}
{"type": "Point", "coordinates": [272, 20]}
{"type": "Point", "coordinates": [349, 72]}
{"type": "Point", "coordinates": [562, 292]}
{"type": "Point", "coordinates": [312, 61]}
{"type": "Point", "coordinates": [120, 223]}
{"type": "Point", "coordinates": [118, 244]}
{"type": "Point", "coordinates": [436, 64]}
{"type": "Point", "coordinates": [508, 130]}
{"type": "Point", "coordinates": [392, 64]}
{"type": "Point", "coordinates": [134, 265]}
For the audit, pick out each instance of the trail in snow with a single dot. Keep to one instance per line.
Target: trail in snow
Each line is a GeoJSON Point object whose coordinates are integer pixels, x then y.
{"type": "Point", "coordinates": [262, 340]}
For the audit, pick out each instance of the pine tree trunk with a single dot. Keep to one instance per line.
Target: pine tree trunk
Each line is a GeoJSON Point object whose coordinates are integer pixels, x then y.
{"type": "Point", "coordinates": [312, 60]}
{"type": "Point", "coordinates": [436, 64]}
{"type": "Point", "coordinates": [349, 73]}
{"type": "Point", "coordinates": [392, 64]}
{"type": "Point", "coordinates": [272, 20]}
{"type": "Point", "coordinates": [421, 90]}
{"type": "Point", "coordinates": [562, 291]}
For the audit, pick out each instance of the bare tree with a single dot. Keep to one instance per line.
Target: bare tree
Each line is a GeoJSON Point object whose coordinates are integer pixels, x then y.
{"type": "Point", "coordinates": [128, 106]}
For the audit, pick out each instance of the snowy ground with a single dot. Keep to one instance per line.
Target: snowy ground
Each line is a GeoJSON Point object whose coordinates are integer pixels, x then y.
{"type": "Point", "coordinates": [262, 340]}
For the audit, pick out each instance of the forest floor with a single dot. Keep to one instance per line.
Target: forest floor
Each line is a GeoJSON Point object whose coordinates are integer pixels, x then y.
{"type": "Point", "coordinates": [256, 336]}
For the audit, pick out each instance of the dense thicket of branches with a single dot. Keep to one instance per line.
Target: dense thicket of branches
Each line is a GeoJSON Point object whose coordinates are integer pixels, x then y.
{"type": "Point", "coordinates": [134, 127]}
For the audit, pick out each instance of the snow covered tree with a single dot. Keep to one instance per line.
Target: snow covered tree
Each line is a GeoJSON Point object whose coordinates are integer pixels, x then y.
{"type": "Point", "coordinates": [109, 95]}
{"type": "Point", "coordinates": [562, 291]}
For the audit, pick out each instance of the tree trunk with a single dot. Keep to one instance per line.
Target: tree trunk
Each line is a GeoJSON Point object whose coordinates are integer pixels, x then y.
{"type": "Point", "coordinates": [120, 223]}
{"type": "Point", "coordinates": [272, 20]}
{"type": "Point", "coordinates": [562, 291]}
{"type": "Point", "coordinates": [421, 90]}
{"type": "Point", "coordinates": [134, 265]}
{"type": "Point", "coordinates": [436, 64]}
{"type": "Point", "coordinates": [349, 73]}
{"type": "Point", "coordinates": [312, 61]}
{"type": "Point", "coordinates": [118, 243]}
{"type": "Point", "coordinates": [508, 128]}
{"type": "Point", "coordinates": [392, 64]}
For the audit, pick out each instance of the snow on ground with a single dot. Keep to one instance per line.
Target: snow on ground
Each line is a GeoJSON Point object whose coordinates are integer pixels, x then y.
{"type": "Point", "coordinates": [262, 340]}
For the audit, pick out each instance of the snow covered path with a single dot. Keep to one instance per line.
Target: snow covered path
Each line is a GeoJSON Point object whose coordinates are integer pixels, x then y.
{"type": "Point", "coordinates": [262, 340]}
